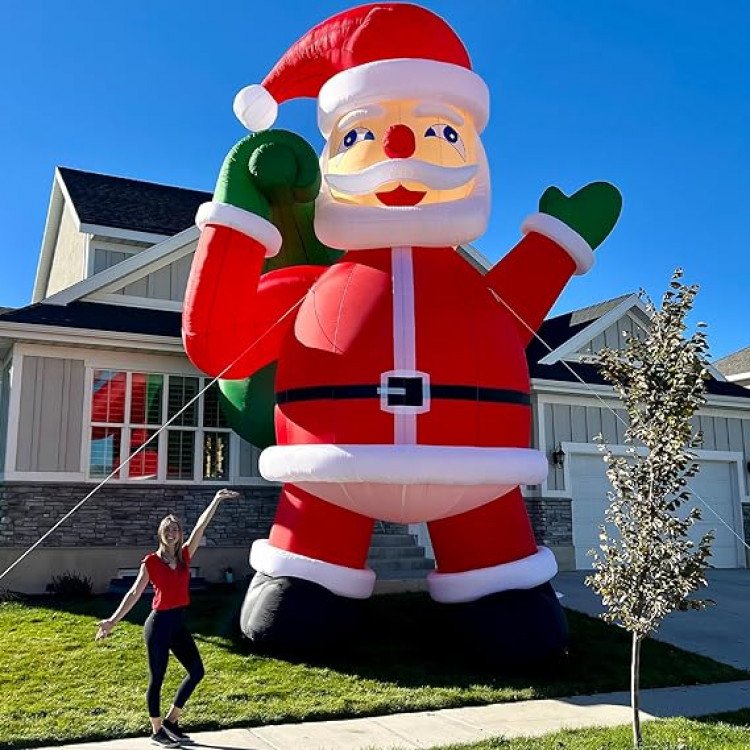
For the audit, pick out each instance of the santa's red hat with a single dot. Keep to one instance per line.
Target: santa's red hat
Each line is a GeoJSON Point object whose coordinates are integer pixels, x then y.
{"type": "Point", "coordinates": [366, 55]}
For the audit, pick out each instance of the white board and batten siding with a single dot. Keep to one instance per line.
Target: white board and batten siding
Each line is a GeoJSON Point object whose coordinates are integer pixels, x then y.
{"type": "Point", "coordinates": [569, 423]}
{"type": "Point", "coordinates": [614, 336]}
{"type": "Point", "coordinates": [722, 482]}
{"type": "Point", "coordinates": [168, 283]}
{"type": "Point", "coordinates": [51, 415]}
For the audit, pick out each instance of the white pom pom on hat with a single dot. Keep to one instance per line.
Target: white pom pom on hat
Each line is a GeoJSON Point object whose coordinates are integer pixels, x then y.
{"type": "Point", "coordinates": [255, 108]}
{"type": "Point", "coordinates": [371, 53]}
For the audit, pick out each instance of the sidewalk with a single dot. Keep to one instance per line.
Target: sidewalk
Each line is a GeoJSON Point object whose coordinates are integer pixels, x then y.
{"type": "Point", "coordinates": [428, 729]}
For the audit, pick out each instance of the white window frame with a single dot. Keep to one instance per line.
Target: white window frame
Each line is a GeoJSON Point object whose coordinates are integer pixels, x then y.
{"type": "Point", "coordinates": [235, 444]}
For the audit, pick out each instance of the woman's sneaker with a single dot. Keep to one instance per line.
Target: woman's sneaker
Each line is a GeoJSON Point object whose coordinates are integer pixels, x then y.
{"type": "Point", "coordinates": [173, 730]}
{"type": "Point", "coordinates": [162, 739]}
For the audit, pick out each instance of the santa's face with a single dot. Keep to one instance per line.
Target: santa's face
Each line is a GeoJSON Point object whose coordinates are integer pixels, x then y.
{"type": "Point", "coordinates": [403, 172]}
{"type": "Point", "coordinates": [402, 154]}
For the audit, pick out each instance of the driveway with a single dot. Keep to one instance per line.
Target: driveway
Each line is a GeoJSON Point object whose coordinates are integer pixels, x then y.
{"type": "Point", "coordinates": [721, 632]}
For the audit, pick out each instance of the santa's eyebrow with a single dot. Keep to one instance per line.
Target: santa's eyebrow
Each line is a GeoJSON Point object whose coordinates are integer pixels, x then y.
{"type": "Point", "coordinates": [441, 111]}
{"type": "Point", "coordinates": [372, 110]}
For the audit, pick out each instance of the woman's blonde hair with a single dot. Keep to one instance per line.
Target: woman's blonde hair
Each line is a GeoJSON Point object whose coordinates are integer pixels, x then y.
{"type": "Point", "coordinates": [166, 521]}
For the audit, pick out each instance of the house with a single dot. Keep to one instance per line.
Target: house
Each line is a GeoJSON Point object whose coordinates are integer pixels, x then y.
{"type": "Point", "coordinates": [736, 367]}
{"type": "Point", "coordinates": [95, 365]}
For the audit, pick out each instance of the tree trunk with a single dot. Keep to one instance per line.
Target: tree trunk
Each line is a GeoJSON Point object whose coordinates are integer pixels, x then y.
{"type": "Point", "coordinates": [635, 691]}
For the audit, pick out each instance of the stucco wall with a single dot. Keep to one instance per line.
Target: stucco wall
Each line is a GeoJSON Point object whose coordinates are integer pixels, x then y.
{"type": "Point", "coordinates": [68, 259]}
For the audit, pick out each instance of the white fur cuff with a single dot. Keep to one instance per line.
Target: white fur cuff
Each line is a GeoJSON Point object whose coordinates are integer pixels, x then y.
{"type": "Point", "coordinates": [352, 582]}
{"type": "Point", "coordinates": [255, 227]}
{"type": "Point", "coordinates": [470, 585]}
{"type": "Point", "coordinates": [568, 239]}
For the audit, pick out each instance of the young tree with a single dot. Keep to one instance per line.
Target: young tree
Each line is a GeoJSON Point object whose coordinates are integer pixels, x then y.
{"type": "Point", "coordinates": [647, 565]}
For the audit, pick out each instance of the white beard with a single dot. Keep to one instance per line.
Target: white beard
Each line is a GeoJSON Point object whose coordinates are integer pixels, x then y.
{"type": "Point", "coordinates": [347, 226]}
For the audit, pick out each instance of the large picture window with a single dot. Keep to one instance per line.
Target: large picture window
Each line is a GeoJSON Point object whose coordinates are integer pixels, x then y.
{"type": "Point", "coordinates": [127, 408]}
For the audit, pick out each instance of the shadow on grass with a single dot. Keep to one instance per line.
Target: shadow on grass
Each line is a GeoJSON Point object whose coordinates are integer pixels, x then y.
{"type": "Point", "coordinates": [735, 718]}
{"type": "Point", "coordinates": [405, 640]}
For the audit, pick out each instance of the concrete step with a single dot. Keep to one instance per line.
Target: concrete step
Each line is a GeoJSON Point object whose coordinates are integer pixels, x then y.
{"type": "Point", "coordinates": [405, 583]}
{"type": "Point", "coordinates": [403, 575]}
{"type": "Point", "coordinates": [392, 540]}
{"type": "Point", "coordinates": [410, 563]}
{"type": "Point", "coordinates": [386, 527]}
{"type": "Point", "coordinates": [390, 553]}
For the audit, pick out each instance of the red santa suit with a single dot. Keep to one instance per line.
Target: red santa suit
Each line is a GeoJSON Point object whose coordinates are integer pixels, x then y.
{"type": "Point", "coordinates": [403, 395]}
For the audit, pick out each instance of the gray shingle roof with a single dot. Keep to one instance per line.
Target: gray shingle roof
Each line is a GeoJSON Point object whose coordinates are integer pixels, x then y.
{"type": "Point", "coordinates": [734, 364]}
{"type": "Point", "coordinates": [123, 203]}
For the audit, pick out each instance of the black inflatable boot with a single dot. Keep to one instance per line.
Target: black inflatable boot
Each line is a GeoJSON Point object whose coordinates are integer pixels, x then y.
{"type": "Point", "coordinates": [512, 628]}
{"type": "Point", "coordinates": [288, 616]}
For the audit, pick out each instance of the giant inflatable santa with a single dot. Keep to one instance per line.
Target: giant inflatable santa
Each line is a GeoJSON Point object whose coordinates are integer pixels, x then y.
{"type": "Point", "coordinates": [401, 384]}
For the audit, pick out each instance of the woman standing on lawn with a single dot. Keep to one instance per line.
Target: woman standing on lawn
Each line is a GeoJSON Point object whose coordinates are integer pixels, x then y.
{"type": "Point", "coordinates": [168, 569]}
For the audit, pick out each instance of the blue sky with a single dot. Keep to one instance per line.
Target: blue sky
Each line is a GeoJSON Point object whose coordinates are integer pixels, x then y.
{"type": "Point", "coordinates": [651, 96]}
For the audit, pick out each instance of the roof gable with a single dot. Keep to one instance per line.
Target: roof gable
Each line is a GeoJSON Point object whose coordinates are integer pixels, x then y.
{"type": "Point", "coordinates": [572, 333]}
{"type": "Point", "coordinates": [130, 270]}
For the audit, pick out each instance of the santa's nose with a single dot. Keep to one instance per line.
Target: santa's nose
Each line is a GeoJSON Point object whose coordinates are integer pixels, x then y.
{"type": "Point", "coordinates": [399, 142]}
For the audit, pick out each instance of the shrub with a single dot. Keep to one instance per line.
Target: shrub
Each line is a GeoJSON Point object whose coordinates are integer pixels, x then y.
{"type": "Point", "coordinates": [6, 595]}
{"type": "Point", "coordinates": [70, 585]}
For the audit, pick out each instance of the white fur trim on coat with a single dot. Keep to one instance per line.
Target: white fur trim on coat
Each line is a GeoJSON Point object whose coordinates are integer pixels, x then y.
{"type": "Point", "coordinates": [385, 80]}
{"type": "Point", "coordinates": [531, 571]}
{"type": "Point", "coordinates": [252, 225]}
{"type": "Point", "coordinates": [352, 582]}
{"type": "Point", "coordinates": [403, 464]}
{"type": "Point", "coordinates": [568, 239]}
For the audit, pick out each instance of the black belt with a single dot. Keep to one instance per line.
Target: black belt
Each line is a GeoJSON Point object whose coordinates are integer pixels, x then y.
{"type": "Point", "coordinates": [412, 394]}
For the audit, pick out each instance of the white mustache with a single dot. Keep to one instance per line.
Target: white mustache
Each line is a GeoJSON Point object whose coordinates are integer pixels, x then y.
{"type": "Point", "coordinates": [399, 170]}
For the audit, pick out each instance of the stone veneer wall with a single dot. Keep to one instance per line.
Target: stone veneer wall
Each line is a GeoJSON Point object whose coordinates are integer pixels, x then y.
{"type": "Point", "coordinates": [128, 515]}
{"type": "Point", "coordinates": [552, 519]}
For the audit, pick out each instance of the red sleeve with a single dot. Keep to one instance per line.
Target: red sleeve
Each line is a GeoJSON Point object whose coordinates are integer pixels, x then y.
{"type": "Point", "coordinates": [529, 279]}
{"type": "Point", "coordinates": [230, 309]}
{"type": "Point", "coordinates": [148, 561]}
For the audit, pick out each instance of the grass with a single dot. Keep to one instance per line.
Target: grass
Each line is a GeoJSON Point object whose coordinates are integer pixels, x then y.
{"type": "Point", "coordinates": [58, 685]}
{"type": "Point", "coordinates": [721, 732]}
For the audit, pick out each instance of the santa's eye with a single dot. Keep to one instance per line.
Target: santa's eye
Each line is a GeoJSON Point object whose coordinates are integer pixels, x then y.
{"type": "Point", "coordinates": [354, 136]}
{"type": "Point", "coordinates": [447, 133]}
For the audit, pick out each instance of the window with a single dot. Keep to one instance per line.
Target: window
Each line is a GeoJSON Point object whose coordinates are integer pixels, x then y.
{"type": "Point", "coordinates": [127, 409]}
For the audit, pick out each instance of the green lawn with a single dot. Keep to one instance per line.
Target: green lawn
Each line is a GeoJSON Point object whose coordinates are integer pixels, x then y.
{"type": "Point", "coordinates": [58, 684]}
{"type": "Point", "coordinates": [723, 732]}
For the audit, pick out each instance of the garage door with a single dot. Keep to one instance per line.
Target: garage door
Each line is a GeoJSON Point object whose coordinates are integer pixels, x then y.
{"type": "Point", "coordinates": [715, 484]}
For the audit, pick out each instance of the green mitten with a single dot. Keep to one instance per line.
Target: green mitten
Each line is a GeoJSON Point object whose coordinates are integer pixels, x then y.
{"type": "Point", "coordinates": [592, 211]}
{"type": "Point", "coordinates": [270, 168]}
